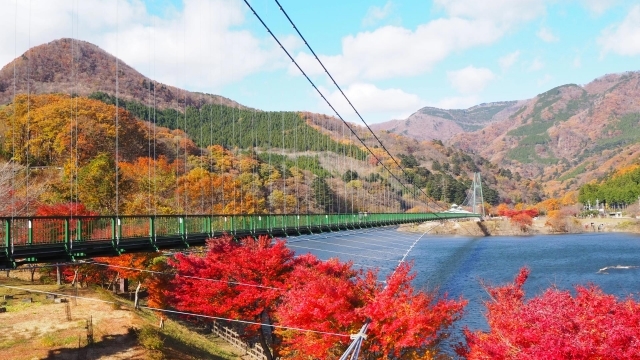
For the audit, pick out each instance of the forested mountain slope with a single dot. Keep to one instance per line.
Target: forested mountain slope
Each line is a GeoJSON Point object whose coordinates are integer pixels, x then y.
{"type": "Point", "coordinates": [321, 142]}
{"type": "Point", "coordinates": [568, 135]}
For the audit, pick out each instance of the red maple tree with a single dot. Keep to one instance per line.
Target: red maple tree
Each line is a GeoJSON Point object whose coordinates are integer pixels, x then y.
{"type": "Point", "coordinates": [64, 209]}
{"type": "Point", "coordinates": [259, 280]}
{"type": "Point", "coordinates": [332, 297]}
{"type": "Point", "coordinates": [406, 323]}
{"type": "Point", "coordinates": [253, 273]}
{"type": "Point", "coordinates": [555, 325]}
{"type": "Point", "coordinates": [322, 296]}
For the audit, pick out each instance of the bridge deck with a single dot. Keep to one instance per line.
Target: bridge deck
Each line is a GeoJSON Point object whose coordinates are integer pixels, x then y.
{"type": "Point", "coordinates": [46, 239]}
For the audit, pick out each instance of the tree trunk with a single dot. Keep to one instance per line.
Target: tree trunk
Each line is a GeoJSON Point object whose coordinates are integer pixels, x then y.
{"type": "Point", "coordinates": [263, 336]}
{"type": "Point", "coordinates": [137, 290]}
{"type": "Point", "coordinates": [33, 269]}
{"type": "Point", "coordinates": [75, 278]}
{"type": "Point", "coordinates": [112, 285]}
{"type": "Point", "coordinates": [58, 275]}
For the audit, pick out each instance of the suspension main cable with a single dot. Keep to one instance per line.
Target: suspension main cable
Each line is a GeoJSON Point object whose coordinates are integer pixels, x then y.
{"type": "Point", "coordinates": [117, 208]}
{"type": "Point", "coordinates": [284, 171]}
{"type": "Point", "coordinates": [28, 142]}
{"type": "Point", "coordinates": [295, 178]}
{"type": "Point", "coordinates": [76, 123]}
{"type": "Point", "coordinates": [150, 159]}
{"type": "Point", "coordinates": [321, 94]}
{"type": "Point", "coordinates": [340, 89]}
{"type": "Point", "coordinates": [184, 93]}
{"type": "Point", "coordinates": [12, 168]}
{"type": "Point", "coordinates": [72, 178]}
{"type": "Point", "coordinates": [253, 151]}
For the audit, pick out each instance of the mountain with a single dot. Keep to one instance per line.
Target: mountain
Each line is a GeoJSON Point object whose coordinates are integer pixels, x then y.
{"type": "Point", "coordinates": [431, 123]}
{"type": "Point", "coordinates": [568, 135]}
{"type": "Point", "coordinates": [77, 67]}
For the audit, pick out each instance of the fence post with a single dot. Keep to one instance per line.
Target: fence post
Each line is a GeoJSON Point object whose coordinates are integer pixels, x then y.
{"type": "Point", "coordinates": [113, 228]}
{"type": "Point", "coordinates": [30, 231]}
{"type": "Point", "coordinates": [7, 235]}
{"type": "Point", "coordinates": [78, 229]}
{"type": "Point", "coordinates": [207, 226]}
{"type": "Point", "coordinates": [152, 230]}
{"type": "Point", "coordinates": [67, 233]}
{"type": "Point", "coordinates": [182, 227]}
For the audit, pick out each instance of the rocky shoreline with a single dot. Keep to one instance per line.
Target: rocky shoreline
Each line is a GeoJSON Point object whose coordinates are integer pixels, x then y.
{"type": "Point", "coordinates": [504, 227]}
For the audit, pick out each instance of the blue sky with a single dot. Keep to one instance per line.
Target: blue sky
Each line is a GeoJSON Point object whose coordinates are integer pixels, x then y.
{"type": "Point", "coordinates": [391, 57]}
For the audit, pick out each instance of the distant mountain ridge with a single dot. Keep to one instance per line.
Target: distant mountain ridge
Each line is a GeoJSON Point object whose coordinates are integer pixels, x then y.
{"type": "Point", "coordinates": [568, 135]}
{"type": "Point", "coordinates": [430, 123]}
{"type": "Point", "coordinates": [563, 137]}
{"type": "Point", "coordinates": [78, 67]}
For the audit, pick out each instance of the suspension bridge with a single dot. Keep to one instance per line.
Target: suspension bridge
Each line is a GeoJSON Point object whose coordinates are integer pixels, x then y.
{"type": "Point", "coordinates": [391, 196]}
{"type": "Point", "coordinates": [25, 238]}
{"type": "Point", "coordinates": [50, 239]}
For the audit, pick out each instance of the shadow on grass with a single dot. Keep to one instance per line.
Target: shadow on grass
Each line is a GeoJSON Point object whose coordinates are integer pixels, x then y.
{"type": "Point", "coordinates": [108, 345]}
{"type": "Point", "coordinates": [170, 348]}
{"type": "Point", "coordinates": [173, 348]}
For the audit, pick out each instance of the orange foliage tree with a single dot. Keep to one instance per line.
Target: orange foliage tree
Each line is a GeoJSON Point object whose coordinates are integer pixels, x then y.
{"type": "Point", "coordinates": [522, 220]}
{"type": "Point", "coordinates": [152, 183]}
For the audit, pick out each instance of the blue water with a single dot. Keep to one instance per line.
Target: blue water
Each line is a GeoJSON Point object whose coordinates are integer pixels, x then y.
{"type": "Point", "coordinates": [456, 265]}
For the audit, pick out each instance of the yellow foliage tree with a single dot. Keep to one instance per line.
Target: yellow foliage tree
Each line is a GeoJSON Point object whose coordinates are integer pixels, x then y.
{"type": "Point", "coordinates": [52, 129]}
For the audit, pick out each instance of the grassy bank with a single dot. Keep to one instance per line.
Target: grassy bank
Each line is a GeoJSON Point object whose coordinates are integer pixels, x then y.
{"type": "Point", "coordinates": [35, 326]}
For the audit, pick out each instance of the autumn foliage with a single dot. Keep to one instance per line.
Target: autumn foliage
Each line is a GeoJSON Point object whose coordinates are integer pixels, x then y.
{"type": "Point", "coordinates": [261, 281]}
{"type": "Point", "coordinates": [505, 211]}
{"type": "Point", "coordinates": [556, 325]}
{"type": "Point", "coordinates": [64, 209]}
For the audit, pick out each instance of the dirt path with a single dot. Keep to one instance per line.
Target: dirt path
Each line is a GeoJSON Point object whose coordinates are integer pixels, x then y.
{"type": "Point", "coordinates": [40, 329]}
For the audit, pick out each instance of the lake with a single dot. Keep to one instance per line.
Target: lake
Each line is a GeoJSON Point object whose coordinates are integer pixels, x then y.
{"type": "Point", "coordinates": [455, 265]}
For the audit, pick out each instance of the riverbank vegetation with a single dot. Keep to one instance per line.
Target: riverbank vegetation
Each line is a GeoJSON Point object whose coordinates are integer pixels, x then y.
{"type": "Point", "coordinates": [555, 325]}
{"type": "Point", "coordinates": [313, 305]}
{"type": "Point", "coordinates": [617, 190]}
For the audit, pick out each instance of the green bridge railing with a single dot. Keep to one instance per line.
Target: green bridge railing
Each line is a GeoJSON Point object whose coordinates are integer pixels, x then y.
{"type": "Point", "coordinates": [43, 239]}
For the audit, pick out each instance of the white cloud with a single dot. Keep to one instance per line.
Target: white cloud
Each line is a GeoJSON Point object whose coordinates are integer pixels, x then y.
{"type": "Point", "coordinates": [506, 12]}
{"type": "Point", "coordinates": [536, 65]}
{"type": "Point", "coordinates": [457, 102]}
{"type": "Point", "coordinates": [373, 103]}
{"type": "Point", "coordinates": [375, 14]}
{"type": "Point", "coordinates": [623, 38]}
{"type": "Point", "coordinates": [546, 35]}
{"type": "Point", "coordinates": [598, 7]}
{"type": "Point", "coordinates": [200, 47]}
{"type": "Point", "coordinates": [393, 51]}
{"type": "Point", "coordinates": [545, 79]}
{"type": "Point", "coordinates": [508, 60]}
{"type": "Point", "coordinates": [577, 62]}
{"type": "Point", "coordinates": [470, 80]}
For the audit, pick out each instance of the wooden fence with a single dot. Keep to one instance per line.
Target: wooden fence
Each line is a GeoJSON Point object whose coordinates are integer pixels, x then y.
{"type": "Point", "coordinates": [232, 337]}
